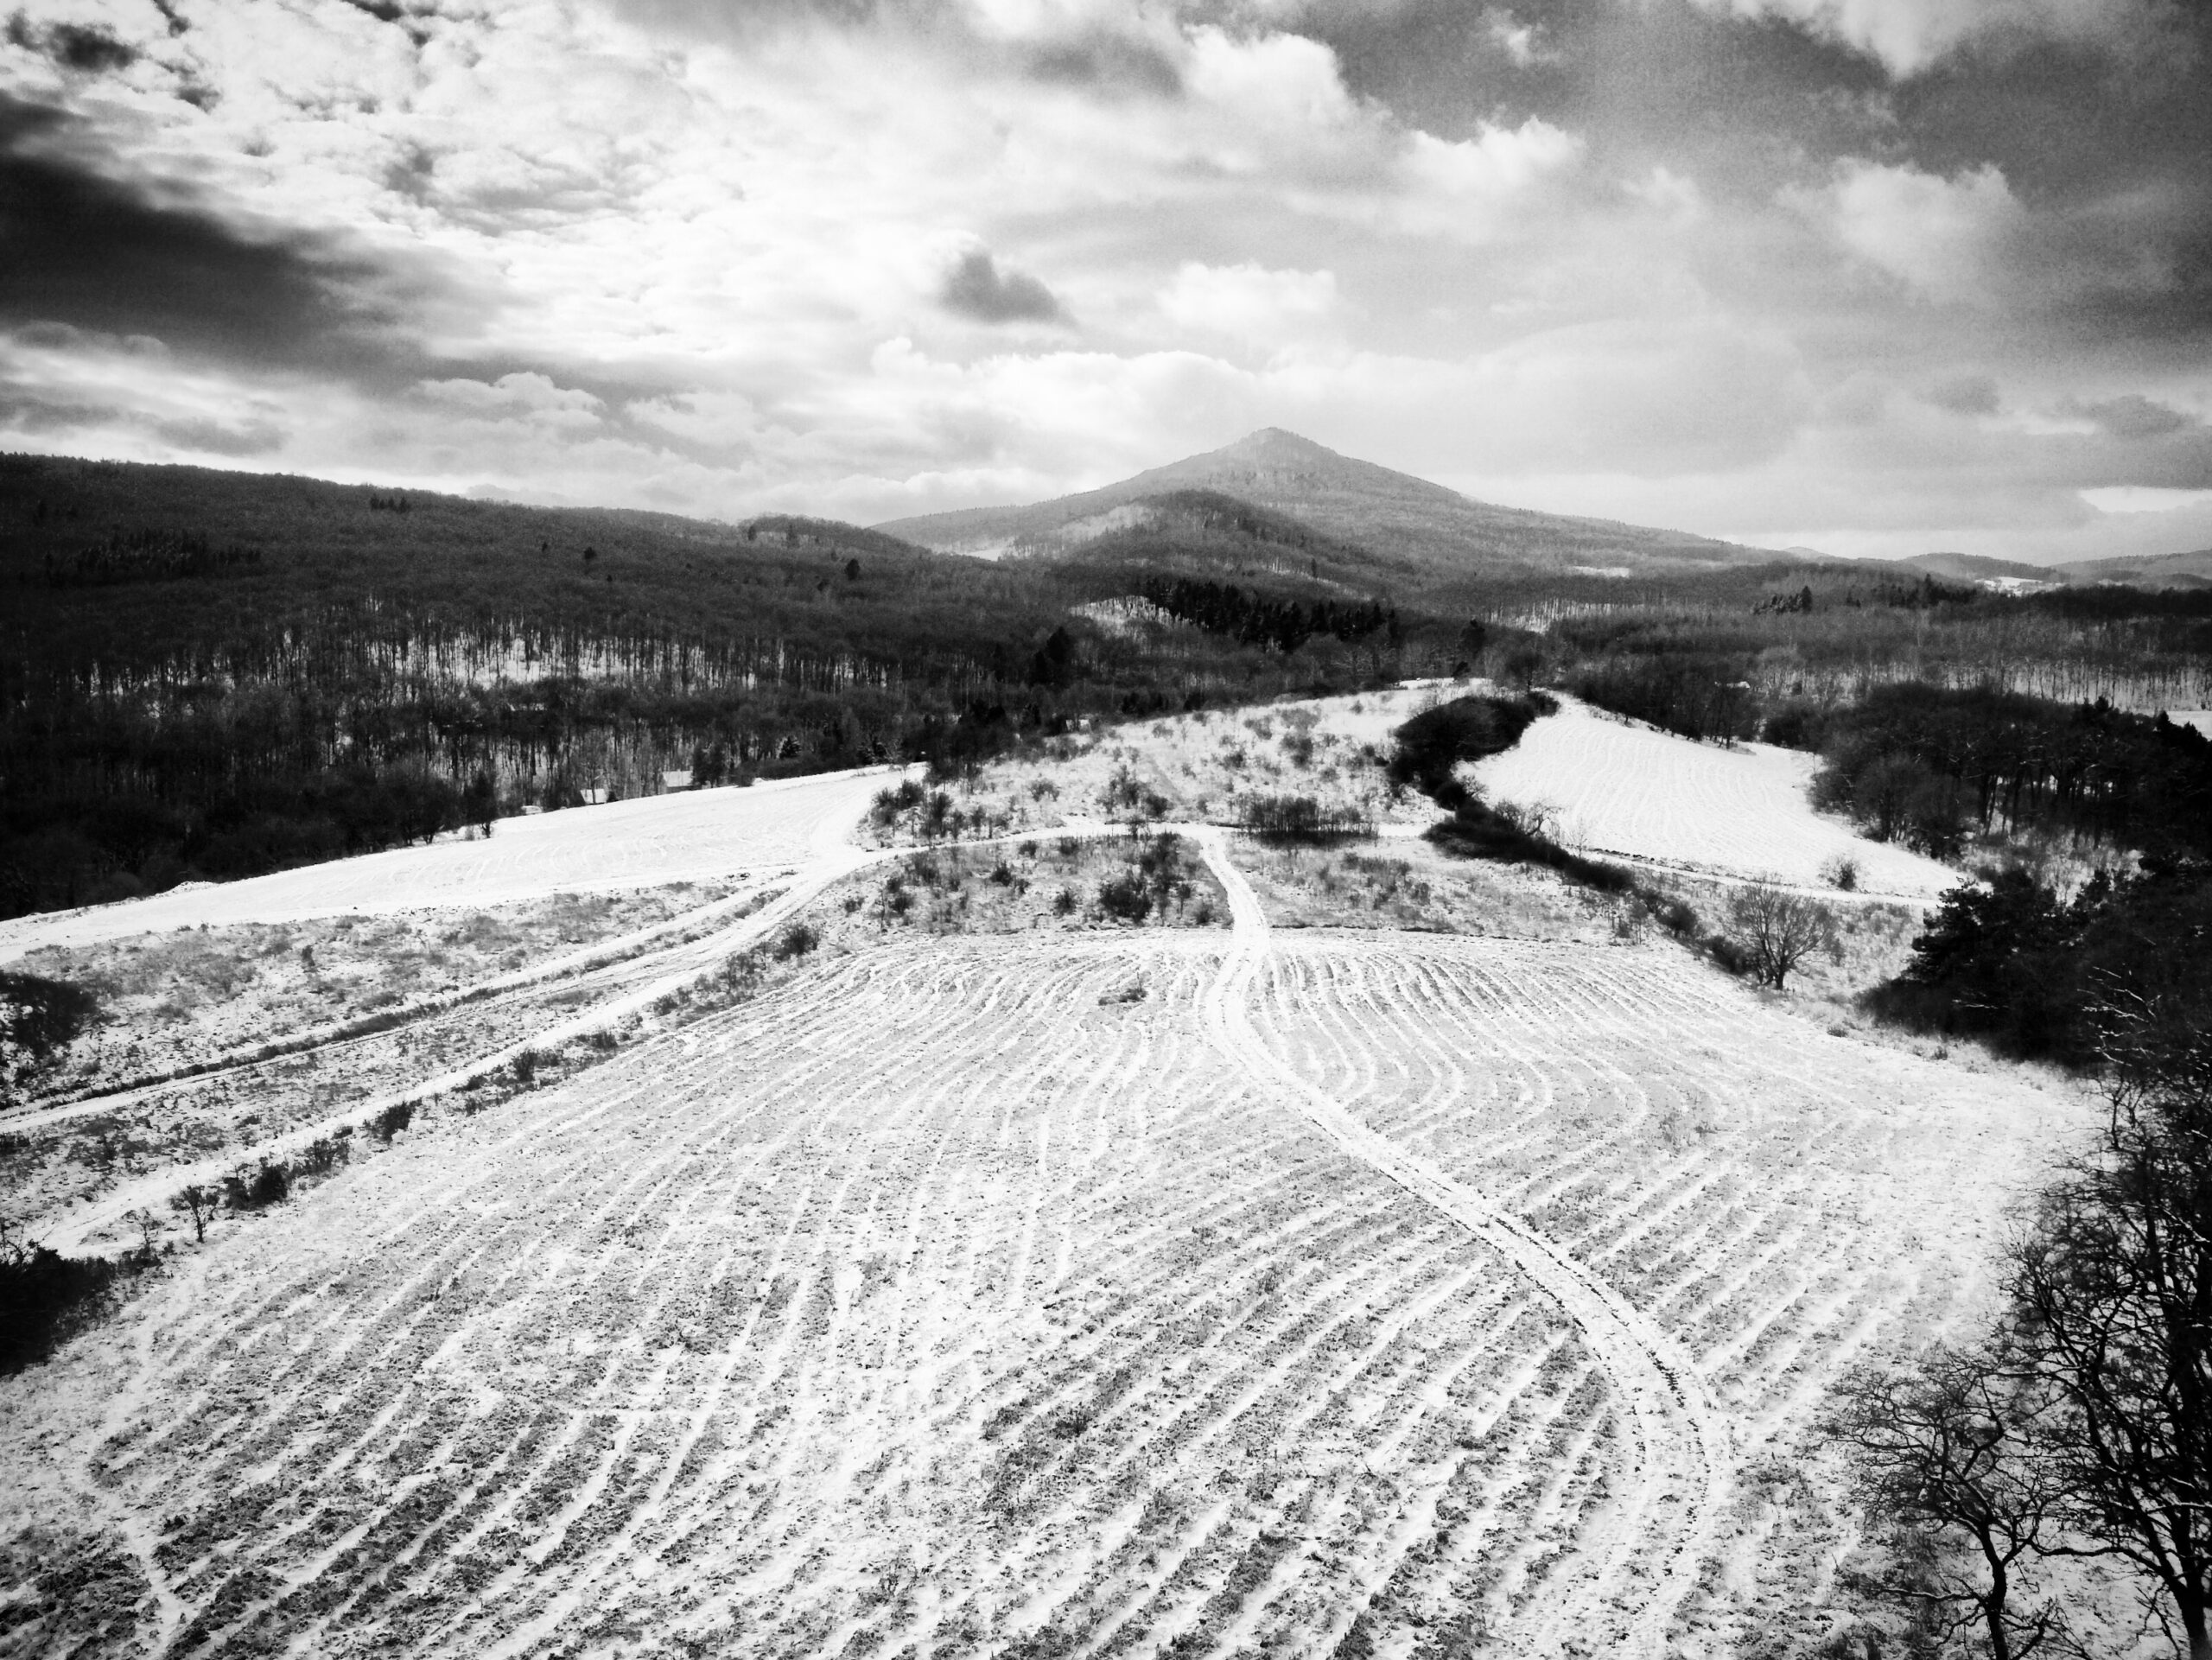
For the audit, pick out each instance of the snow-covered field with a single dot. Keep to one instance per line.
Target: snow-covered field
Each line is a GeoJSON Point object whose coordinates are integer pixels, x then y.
{"type": "Point", "coordinates": [1053, 1293]}
{"type": "Point", "coordinates": [1620, 787]}
{"type": "Point", "coordinates": [701, 836]}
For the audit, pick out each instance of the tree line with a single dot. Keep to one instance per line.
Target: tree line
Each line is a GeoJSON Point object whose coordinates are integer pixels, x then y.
{"type": "Point", "coordinates": [1259, 619]}
{"type": "Point", "coordinates": [1925, 766]}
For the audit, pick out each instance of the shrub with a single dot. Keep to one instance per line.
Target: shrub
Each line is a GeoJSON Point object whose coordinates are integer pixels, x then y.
{"type": "Point", "coordinates": [885, 811]}
{"type": "Point", "coordinates": [1795, 725]}
{"type": "Point", "coordinates": [44, 1296]}
{"type": "Point", "coordinates": [740, 973]}
{"type": "Point", "coordinates": [1841, 873]}
{"type": "Point", "coordinates": [269, 1185]}
{"type": "Point", "coordinates": [393, 1119]}
{"type": "Point", "coordinates": [1126, 898]}
{"type": "Point", "coordinates": [797, 940]}
{"type": "Point", "coordinates": [39, 1019]}
{"type": "Point", "coordinates": [1476, 831]}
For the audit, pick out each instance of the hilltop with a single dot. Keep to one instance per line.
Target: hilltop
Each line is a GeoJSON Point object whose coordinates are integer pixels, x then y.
{"type": "Point", "coordinates": [1400, 518]}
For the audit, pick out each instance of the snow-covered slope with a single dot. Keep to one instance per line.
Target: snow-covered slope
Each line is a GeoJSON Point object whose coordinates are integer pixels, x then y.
{"type": "Point", "coordinates": [693, 837]}
{"type": "Point", "coordinates": [1620, 787]}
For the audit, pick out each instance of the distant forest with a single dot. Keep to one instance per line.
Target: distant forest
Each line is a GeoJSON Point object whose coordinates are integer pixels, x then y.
{"type": "Point", "coordinates": [1940, 710]}
{"type": "Point", "coordinates": [207, 674]}
{"type": "Point", "coordinates": [1827, 634]}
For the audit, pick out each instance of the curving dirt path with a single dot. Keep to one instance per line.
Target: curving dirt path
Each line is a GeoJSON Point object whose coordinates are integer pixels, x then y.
{"type": "Point", "coordinates": [644, 952]}
{"type": "Point", "coordinates": [1680, 1445]}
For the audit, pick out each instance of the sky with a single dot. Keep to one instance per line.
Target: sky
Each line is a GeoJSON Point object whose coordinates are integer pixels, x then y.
{"type": "Point", "coordinates": [1877, 277]}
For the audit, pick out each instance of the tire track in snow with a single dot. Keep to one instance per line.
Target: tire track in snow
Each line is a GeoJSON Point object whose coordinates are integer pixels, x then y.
{"type": "Point", "coordinates": [1680, 1481]}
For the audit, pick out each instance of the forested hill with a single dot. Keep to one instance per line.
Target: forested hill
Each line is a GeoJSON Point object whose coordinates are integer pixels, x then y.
{"type": "Point", "coordinates": [141, 567]}
{"type": "Point", "coordinates": [212, 673]}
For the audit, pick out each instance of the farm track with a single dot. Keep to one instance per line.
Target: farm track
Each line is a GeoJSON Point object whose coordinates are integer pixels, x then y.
{"type": "Point", "coordinates": [616, 990]}
{"type": "Point", "coordinates": [606, 965]}
{"type": "Point", "coordinates": [1680, 1456]}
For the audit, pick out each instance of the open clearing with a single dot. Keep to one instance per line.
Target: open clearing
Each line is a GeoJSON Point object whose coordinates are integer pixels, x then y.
{"type": "Point", "coordinates": [1619, 786]}
{"type": "Point", "coordinates": [1055, 1290]}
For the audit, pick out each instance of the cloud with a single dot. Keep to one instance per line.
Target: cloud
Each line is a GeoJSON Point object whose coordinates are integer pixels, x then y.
{"type": "Point", "coordinates": [1107, 62]}
{"type": "Point", "coordinates": [93, 248]}
{"type": "Point", "coordinates": [1972, 394]}
{"type": "Point", "coordinates": [2135, 499]}
{"type": "Point", "coordinates": [1249, 301]}
{"type": "Point", "coordinates": [2133, 416]}
{"type": "Point", "coordinates": [206, 437]}
{"type": "Point", "coordinates": [1947, 237]}
{"type": "Point", "coordinates": [75, 388]}
{"type": "Point", "coordinates": [1521, 43]}
{"type": "Point", "coordinates": [1909, 36]}
{"type": "Point", "coordinates": [977, 289]}
{"type": "Point", "coordinates": [518, 395]}
{"type": "Point", "coordinates": [86, 48]}
{"type": "Point", "coordinates": [1469, 189]}
{"type": "Point", "coordinates": [1966, 239]}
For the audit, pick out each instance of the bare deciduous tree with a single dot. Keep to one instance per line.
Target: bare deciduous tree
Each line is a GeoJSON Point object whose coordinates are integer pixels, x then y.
{"type": "Point", "coordinates": [1947, 1456]}
{"type": "Point", "coordinates": [1776, 929]}
{"type": "Point", "coordinates": [199, 1203]}
{"type": "Point", "coordinates": [2114, 1287]}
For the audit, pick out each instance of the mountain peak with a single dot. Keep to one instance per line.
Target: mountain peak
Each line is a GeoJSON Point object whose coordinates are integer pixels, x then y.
{"type": "Point", "coordinates": [1273, 446]}
{"type": "Point", "coordinates": [1408, 521]}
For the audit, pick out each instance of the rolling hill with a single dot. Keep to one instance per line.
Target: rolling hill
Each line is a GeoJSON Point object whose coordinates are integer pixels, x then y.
{"type": "Point", "coordinates": [1403, 519]}
{"type": "Point", "coordinates": [1978, 568]}
{"type": "Point", "coordinates": [2151, 571]}
{"type": "Point", "coordinates": [2158, 570]}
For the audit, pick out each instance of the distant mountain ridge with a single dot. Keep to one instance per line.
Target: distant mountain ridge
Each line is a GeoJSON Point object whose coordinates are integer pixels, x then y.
{"type": "Point", "coordinates": [1394, 515]}
{"type": "Point", "coordinates": [2151, 570]}
{"type": "Point", "coordinates": [2168, 569]}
